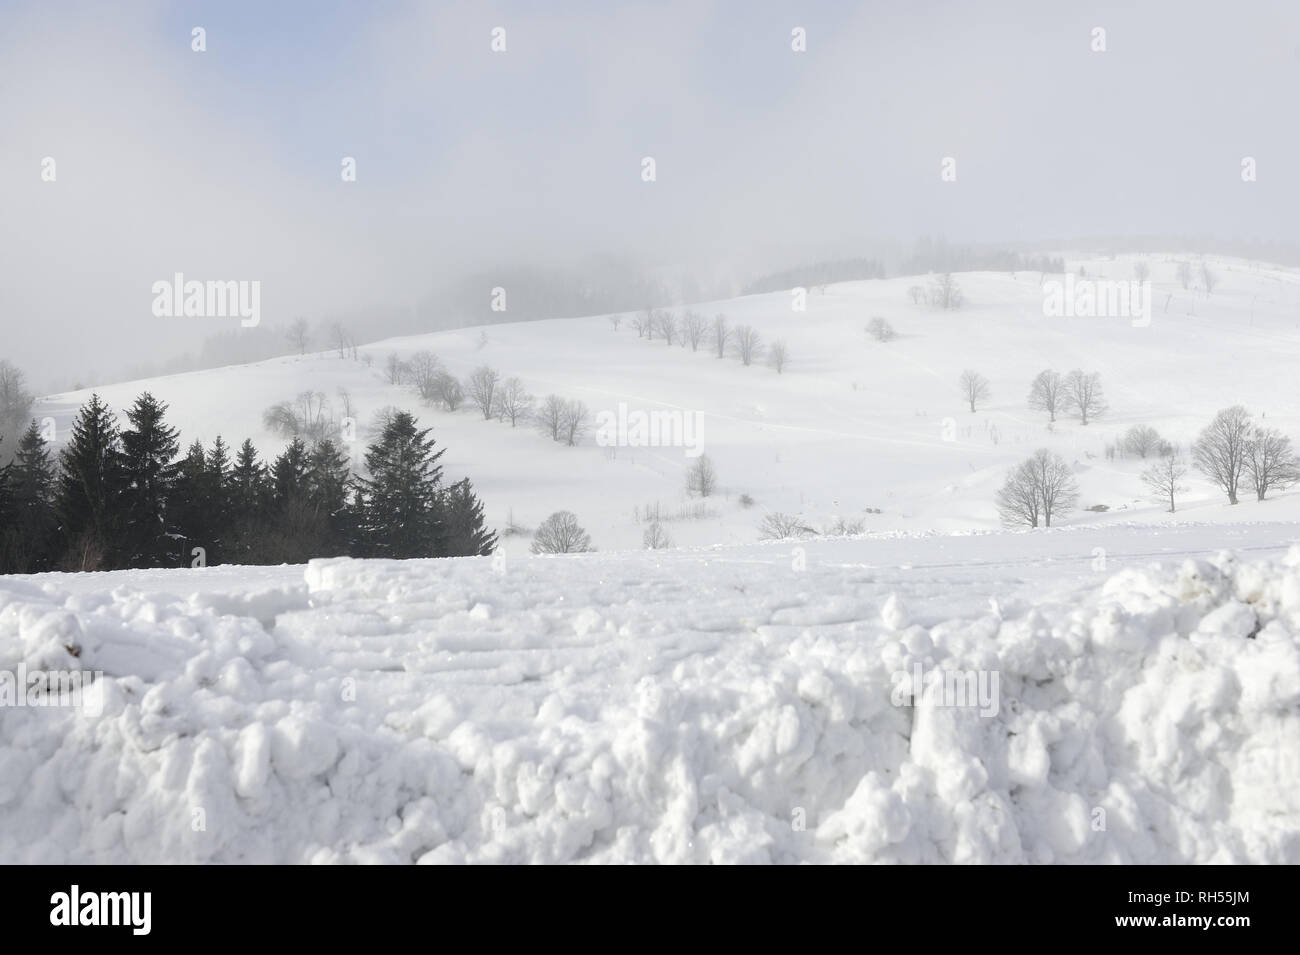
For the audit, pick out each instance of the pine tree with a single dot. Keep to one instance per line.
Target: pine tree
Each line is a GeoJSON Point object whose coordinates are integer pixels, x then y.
{"type": "Point", "coordinates": [399, 513]}
{"type": "Point", "coordinates": [249, 507]}
{"type": "Point", "coordinates": [464, 532]}
{"type": "Point", "coordinates": [8, 516]}
{"type": "Point", "coordinates": [289, 475]}
{"type": "Point", "coordinates": [27, 536]}
{"type": "Point", "coordinates": [294, 532]}
{"type": "Point", "coordinates": [86, 502]}
{"type": "Point", "coordinates": [328, 483]}
{"type": "Point", "coordinates": [149, 449]}
{"type": "Point", "coordinates": [188, 507]}
{"type": "Point", "coordinates": [217, 478]}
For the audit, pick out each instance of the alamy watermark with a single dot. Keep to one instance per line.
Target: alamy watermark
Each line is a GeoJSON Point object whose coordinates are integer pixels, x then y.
{"type": "Point", "coordinates": [1098, 298]}
{"type": "Point", "coordinates": [625, 428]}
{"type": "Point", "coordinates": [948, 688]}
{"type": "Point", "coordinates": [80, 689]}
{"type": "Point", "coordinates": [212, 299]}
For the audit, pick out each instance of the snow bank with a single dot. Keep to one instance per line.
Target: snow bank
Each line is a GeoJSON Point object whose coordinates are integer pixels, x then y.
{"type": "Point", "coordinates": [652, 708]}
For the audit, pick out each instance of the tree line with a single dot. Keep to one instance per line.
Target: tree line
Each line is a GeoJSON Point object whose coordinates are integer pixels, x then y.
{"type": "Point", "coordinates": [1234, 452]}
{"type": "Point", "coordinates": [118, 497]}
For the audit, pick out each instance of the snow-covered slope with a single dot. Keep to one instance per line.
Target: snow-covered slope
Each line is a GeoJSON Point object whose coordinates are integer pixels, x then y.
{"type": "Point", "coordinates": [731, 704]}
{"type": "Point", "coordinates": [852, 425]}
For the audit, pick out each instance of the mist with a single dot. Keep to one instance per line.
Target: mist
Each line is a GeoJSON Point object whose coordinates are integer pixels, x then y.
{"type": "Point", "coordinates": [226, 164]}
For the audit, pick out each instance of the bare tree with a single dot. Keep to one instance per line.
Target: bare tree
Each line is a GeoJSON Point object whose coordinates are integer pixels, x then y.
{"type": "Point", "coordinates": [394, 369]}
{"type": "Point", "coordinates": [1141, 440]}
{"type": "Point", "coordinates": [1221, 450]}
{"type": "Point", "coordinates": [345, 402]}
{"type": "Point", "coordinates": [550, 416]}
{"type": "Point", "coordinates": [421, 373]}
{"type": "Point", "coordinates": [299, 335]}
{"type": "Point", "coordinates": [1208, 278]}
{"type": "Point", "coordinates": [340, 339]}
{"type": "Point", "coordinates": [1270, 461]}
{"type": "Point", "coordinates": [1038, 489]}
{"type": "Point", "coordinates": [1185, 274]}
{"type": "Point", "coordinates": [917, 293]}
{"type": "Point", "coordinates": [945, 293]}
{"type": "Point", "coordinates": [482, 387]}
{"type": "Point", "coordinates": [748, 343]}
{"type": "Point", "coordinates": [1047, 393]}
{"type": "Point", "coordinates": [1085, 396]}
{"type": "Point", "coordinates": [644, 323]}
{"type": "Point", "coordinates": [514, 401]}
{"type": "Point", "coordinates": [1141, 271]}
{"type": "Point", "coordinates": [667, 325]}
{"type": "Point", "coordinates": [307, 416]}
{"type": "Point", "coordinates": [655, 537]}
{"type": "Point", "coordinates": [1165, 477]}
{"type": "Point", "coordinates": [780, 526]}
{"type": "Point", "coordinates": [15, 405]}
{"type": "Point", "coordinates": [701, 477]}
{"type": "Point", "coordinates": [721, 335]}
{"type": "Point", "coordinates": [694, 325]}
{"type": "Point", "coordinates": [575, 421]}
{"type": "Point", "coordinates": [616, 321]}
{"type": "Point", "coordinates": [974, 388]}
{"type": "Point", "coordinates": [561, 534]}
{"type": "Point", "coordinates": [778, 355]}
{"type": "Point", "coordinates": [880, 330]}
{"type": "Point", "coordinates": [448, 390]}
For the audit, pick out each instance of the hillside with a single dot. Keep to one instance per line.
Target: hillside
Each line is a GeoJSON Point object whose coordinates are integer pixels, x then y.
{"type": "Point", "coordinates": [852, 426]}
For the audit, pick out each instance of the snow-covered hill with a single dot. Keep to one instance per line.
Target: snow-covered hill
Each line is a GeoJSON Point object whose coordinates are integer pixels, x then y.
{"type": "Point", "coordinates": [733, 704]}
{"type": "Point", "coordinates": [853, 426]}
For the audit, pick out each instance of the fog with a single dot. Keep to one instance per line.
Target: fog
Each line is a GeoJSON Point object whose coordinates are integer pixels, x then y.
{"type": "Point", "coordinates": [225, 164]}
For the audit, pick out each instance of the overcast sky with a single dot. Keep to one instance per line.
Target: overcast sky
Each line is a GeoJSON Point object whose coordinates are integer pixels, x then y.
{"type": "Point", "coordinates": [225, 164]}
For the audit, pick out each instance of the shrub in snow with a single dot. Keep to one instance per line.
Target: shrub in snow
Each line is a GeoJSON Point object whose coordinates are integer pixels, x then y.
{"type": "Point", "coordinates": [779, 526]}
{"type": "Point", "coordinates": [880, 330]}
{"type": "Point", "coordinates": [701, 478]}
{"type": "Point", "coordinates": [655, 537]}
{"type": "Point", "coordinates": [561, 534]}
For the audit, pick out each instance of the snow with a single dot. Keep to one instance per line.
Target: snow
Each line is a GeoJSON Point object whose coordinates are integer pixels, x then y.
{"type": "Point", "coordinates": [851, 425]}
{"type": "Point", "coordinates": [1124, 688]}
{"type": "Point", "coordinates": [698, 705]}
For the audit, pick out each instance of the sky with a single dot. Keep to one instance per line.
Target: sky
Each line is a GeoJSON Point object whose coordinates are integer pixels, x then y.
{"type": "Point", "coordinates": [226, 164]}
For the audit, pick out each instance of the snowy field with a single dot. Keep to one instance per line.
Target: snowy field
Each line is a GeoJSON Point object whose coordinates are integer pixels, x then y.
{"type": "Point", "coordinates": [731, 704]}
{"type": "Point", "coordinates": [853, 428]}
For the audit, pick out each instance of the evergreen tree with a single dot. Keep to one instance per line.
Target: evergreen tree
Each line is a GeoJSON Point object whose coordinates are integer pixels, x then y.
{"type": "Point", "coordinates": [328, 483]}
{"type": "Point", "coordinates": [188, 508]}
{"type": "Point", "coordinates": [296, 531]}
{"type": "Point", "coordinates": [27, 534]}
{"type": "Point", "coordinates": [289, 475]}
{"type": "Point", "coordinates": [8, 515]}
{"type": "Point", "coordinates": [149, 448]}
{"type": "Point", "coordinates": [464, 532]}
{"type": "Point", "coordinates": [249, 503]}
{"type": "Point", "coordinates": [217, 479]}
{"type": "Point", "coordinates": [86, 502]}
{"type": "Point", "coordinates": [399, 501]}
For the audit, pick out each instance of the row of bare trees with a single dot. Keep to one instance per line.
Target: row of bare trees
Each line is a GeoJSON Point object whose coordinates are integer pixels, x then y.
{"type": "Point", "coordinates": [1233, 452]}
{"type": "Point", "coordinates": [1078, 392]}
{"type": "Point", "coordinates": [693, 329]}
{"type": "Point", "coordinates": [484, 388]}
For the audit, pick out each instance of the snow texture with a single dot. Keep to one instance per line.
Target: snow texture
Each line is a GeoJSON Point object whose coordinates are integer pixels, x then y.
{"type": "Point", "coordinates": [684, 707]}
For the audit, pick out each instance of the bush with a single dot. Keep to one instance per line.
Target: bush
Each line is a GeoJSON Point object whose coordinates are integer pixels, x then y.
{"type": "Point", "coordinates": [844, 528]}
{"type": "Point", "coordinates": [779, 526]}
{"type": "Point", "coordinates": [561, 534]}
{"type": "Point", "coordinates": [655, 537]}
{"type": "Point", "coordinates": [880, 330]}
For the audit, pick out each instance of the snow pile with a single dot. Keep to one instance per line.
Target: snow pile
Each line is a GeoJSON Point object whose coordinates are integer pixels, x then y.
{"type": "Point", "coordinates": [656, 707]}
